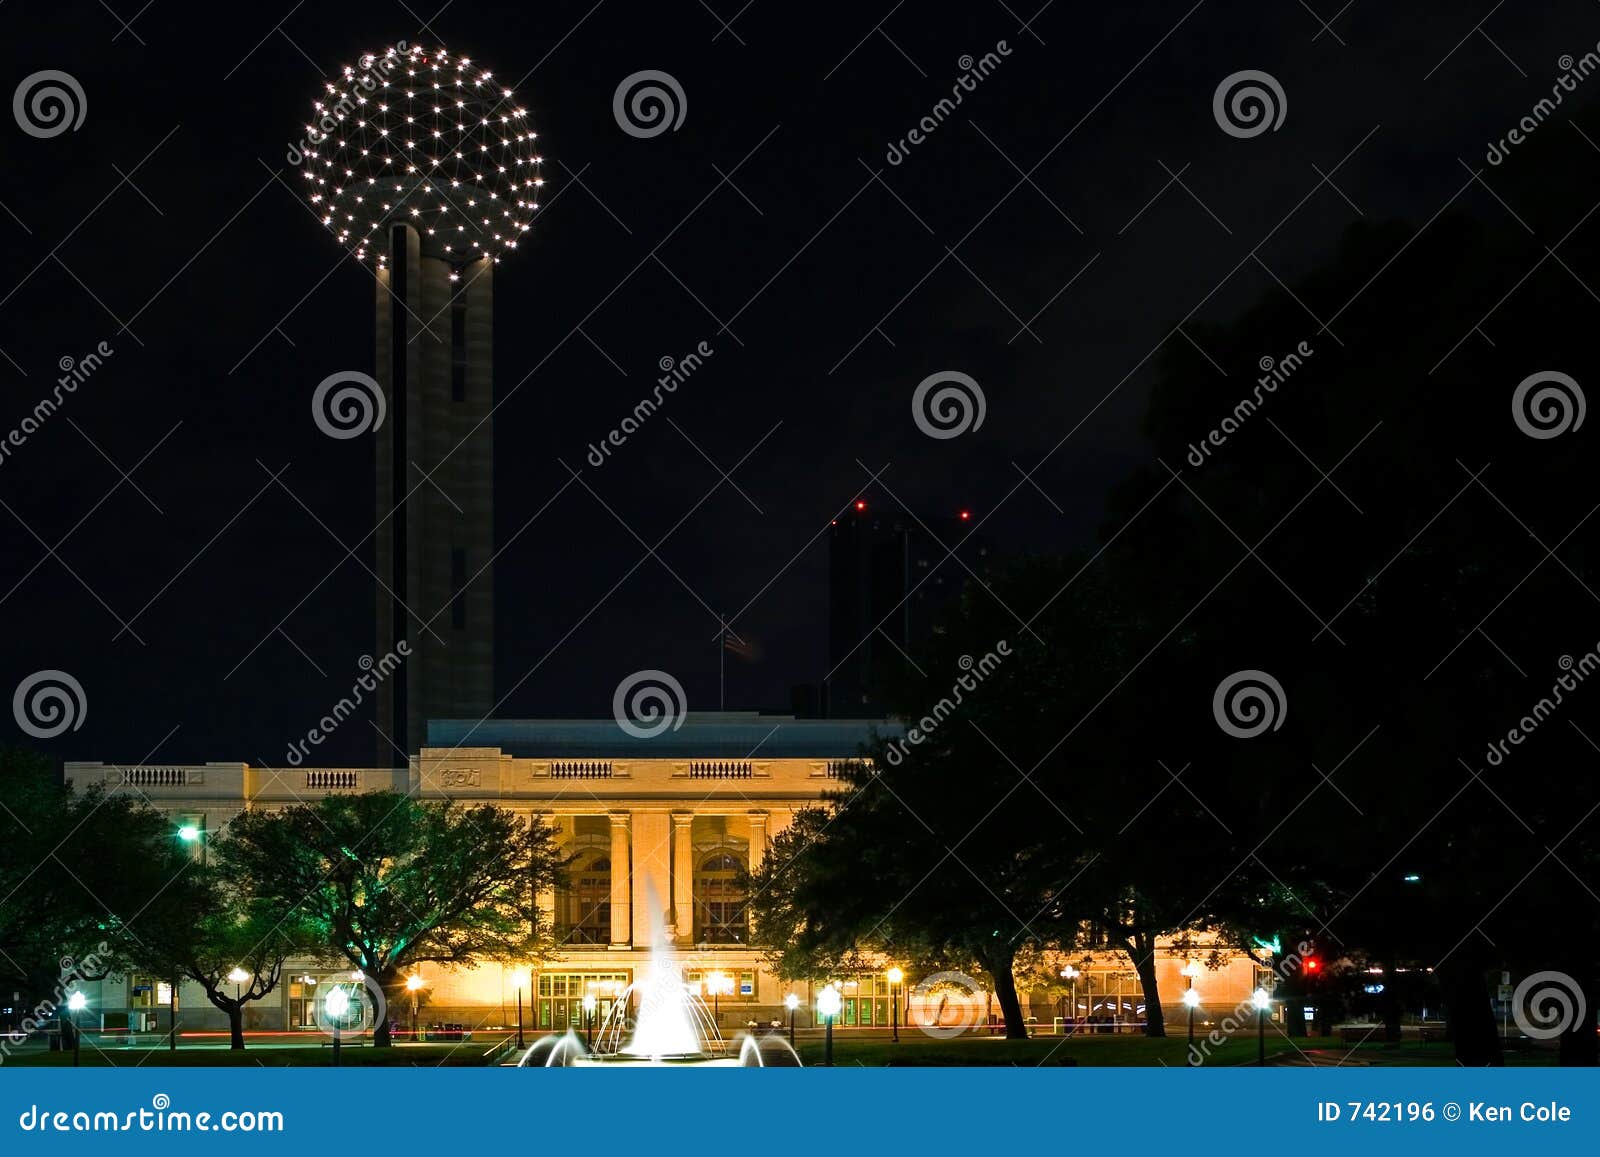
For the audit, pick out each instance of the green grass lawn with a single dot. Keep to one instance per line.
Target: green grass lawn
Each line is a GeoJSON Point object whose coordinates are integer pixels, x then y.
{"type": "Point", "coordinates": [916, 1049]}
{"type": "Point", "coordinates": [913, 1049]}
{"type": "Point", "coordinates": [465, 1054]}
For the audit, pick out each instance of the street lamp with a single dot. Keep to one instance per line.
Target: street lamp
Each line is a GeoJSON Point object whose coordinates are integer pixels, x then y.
{"type": "Point", "coordinates": [414, 986]}
{"type": "Point", "coordinates": [521, 979]}
{"type": "Point", "coordinates": [719, 983]}
{"type": "Point", "coordinates": [1262, 1000]}
{"type": "Point", "coordinates": [828, 1004]}
{"type": "Point", "coordinates": [791, 1002]}
{"type": "Point", "coordinates": [337, 1005]}
{"type": "Point", "coordinates": [895, 976]}
{"type": "Point", "coordinates": [1070, 973]}
{"type": "Point", "coordinates": [588, 1020]}
{"type": "Point", "coordinates": [1191, 997]}
{"type": "Point", "coordinates": [76, 1004]}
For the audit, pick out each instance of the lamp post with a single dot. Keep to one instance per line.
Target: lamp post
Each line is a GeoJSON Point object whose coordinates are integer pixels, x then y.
{"type": "Point", "coordinates": [521, 979]}
{"type": "Point", "coordinates": [1262, 1000]}
{"type": "Point", "coordinates": [337, 1005]}
{"type": "Point", "coordinates": [75, 1005]}
{"type": "Point", "coordinates": [414, 986]}
{"type": "Point", "coordinates": [1070, 974]}
{"type": "Point", "coordinates": [719, 983]}
{"type": "Point", "coordinates": [791, 1002]}
{"type": "Point", "coordinates": [895, 976]}
{"type": "Point", "coordinates": [828, 1004]}
{"type": "Point", "coordinates": [588, 1020]}
{"type": "Point", "coordinates": [1191, 997]}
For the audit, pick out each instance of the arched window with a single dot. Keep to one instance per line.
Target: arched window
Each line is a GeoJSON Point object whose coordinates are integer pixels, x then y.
{"type": "Point", "coordinates": [719, 899]}
{"type": "Point", "coordinates": [583, 907]}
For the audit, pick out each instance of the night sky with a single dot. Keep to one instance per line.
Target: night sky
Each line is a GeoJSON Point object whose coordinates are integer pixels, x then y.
{"type": "Point", "coordinates": [769, 225]}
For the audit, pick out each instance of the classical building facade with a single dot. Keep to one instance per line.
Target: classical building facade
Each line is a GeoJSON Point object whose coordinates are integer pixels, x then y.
{"type": "Point", "coordinates": [660, 831]}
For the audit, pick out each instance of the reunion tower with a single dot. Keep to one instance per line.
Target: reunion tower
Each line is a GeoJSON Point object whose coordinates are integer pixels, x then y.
{"type": "Point", "coordinates": [424, 167]}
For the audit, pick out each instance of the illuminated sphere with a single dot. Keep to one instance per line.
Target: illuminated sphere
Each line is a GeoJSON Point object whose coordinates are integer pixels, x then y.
{"type": "Point", "coordinates": [420, 136]}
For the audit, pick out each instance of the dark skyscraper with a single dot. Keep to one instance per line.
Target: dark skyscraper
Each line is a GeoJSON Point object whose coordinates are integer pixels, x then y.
{"type": "Point", "coordinates": [419, 161]}
{"type": "Point", "coordinates": [435, 472]}
{"type": "Point", "coordinates": [889, 576]}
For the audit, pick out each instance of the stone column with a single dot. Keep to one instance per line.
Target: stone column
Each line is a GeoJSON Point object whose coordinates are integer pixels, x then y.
{"type": "Point", "coordinates": [683, 876]}
{"type": "Point", "coordinates": [547, 898]}
{"type": "Point", "coordinates": [758, 840]}
{"type": "Point", "coordinates": [621, 874]}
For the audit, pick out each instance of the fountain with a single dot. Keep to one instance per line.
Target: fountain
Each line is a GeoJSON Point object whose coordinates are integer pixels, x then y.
{"type": "Point", "coordinates": [673, 1026]}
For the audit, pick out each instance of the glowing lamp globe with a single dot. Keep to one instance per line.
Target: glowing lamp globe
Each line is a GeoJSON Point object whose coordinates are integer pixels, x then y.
{"type": "Point", "coordinates": [1191, 997]}
{"type": "Point", "coordinates": [829, 1002]}
{"type": "Point", "coordinates": [424, 137]}
{"type": "Point", "coordinates": [336, 1003]}
{"type": "Point", "coordinates": [791, 1002]}
{"type": "Point", "coordinates": [77, 1002]}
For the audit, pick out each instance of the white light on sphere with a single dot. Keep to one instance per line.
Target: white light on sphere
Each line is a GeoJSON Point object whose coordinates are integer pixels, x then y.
{"type": "Point", "coordinates": [336, 1003]}
{"type": "Point", "coordinates": [1191, 997]}
{"type": "Point", "coordinates": [1261, 999]}
{"type": "Point", "coordinates": [791, 1002]}
{"type": "Point", "coordinates": [449, 142]}
{"type": "Point", "coordinates": [77, 1002]}
{"type": "Point", "coordinates": [829, 1002]}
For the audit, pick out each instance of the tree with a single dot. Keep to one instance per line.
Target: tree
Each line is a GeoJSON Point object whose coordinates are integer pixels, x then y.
{"type": "Point", "coordinates": [389, 882]}
{"type": "Point", "coordinates": [233, 945]}
{"type": "Point", "coordinates": [84, 874]}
